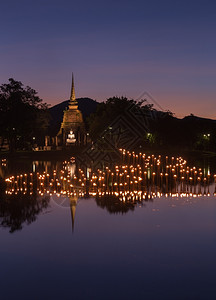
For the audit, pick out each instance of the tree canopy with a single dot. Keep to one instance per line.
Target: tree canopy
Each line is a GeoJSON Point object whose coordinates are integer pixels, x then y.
{"type": "Point", "coordinates": [23, 115]}
{"type": "Point", "coordinates": [159, 129]}
{"type": "Point", "coordinates": [113, 108]}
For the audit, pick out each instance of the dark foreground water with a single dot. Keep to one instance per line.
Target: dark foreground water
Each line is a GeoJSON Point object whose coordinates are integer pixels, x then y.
{"type": "Point", "coordinates": [61, 247]}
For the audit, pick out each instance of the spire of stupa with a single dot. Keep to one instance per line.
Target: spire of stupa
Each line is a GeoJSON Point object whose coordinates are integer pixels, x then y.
{"type": "Point", "coordinates": [72, 103]}
{"type": "Point", "coordinates": [72, 97]}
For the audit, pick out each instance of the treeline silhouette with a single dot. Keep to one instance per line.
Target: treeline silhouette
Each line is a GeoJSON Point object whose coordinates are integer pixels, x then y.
{"type": "Point", "coordinates": [159, 129]}
{"type": "Point", "coordinates": [25, 120]}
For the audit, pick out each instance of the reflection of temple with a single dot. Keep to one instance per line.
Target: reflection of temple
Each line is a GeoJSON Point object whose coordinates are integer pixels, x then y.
{"type": "Point", "coordinates": [135, 180]}
{"type": "Point", "coordinates": [73, 204]}
{"type": "Point", "coordinates": [72, 129]}
{"type": "Point", "coordinates": [71, 169]}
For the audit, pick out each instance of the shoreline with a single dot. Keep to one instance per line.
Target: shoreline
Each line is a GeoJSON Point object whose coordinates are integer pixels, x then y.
{"type": "Point", "coordinates": [67, 153]}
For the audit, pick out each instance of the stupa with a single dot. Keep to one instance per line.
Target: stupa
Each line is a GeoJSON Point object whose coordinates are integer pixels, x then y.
{"type": "Point", "coordinates": [72, 122]}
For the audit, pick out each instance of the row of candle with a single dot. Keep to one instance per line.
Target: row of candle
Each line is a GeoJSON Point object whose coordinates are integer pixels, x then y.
{"type": "Point", "coordinates": [152, 175]}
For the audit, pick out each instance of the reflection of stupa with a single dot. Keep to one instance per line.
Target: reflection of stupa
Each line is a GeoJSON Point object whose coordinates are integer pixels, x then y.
{"type": "Point", "coordinates": [72, 123]}
{"type": "Point", "coordinates": [73, 204]}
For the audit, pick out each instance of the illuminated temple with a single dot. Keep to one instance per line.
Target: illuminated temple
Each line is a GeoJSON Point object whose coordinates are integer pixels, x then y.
{"type": "Point", "coordinates": [72, 129]}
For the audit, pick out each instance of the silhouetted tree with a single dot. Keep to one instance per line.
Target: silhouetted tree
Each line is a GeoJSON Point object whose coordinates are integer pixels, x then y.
{"type": "Point", "coordinates": [160, 129]}
{"type": "Point", "coordinates": [114, 107]}
{"type": "Point", "coordinates": [23, 115]}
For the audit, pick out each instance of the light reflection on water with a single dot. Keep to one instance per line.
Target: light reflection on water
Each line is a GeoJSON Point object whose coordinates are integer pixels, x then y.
{"type": "Point", "coordinates": [93, 236]}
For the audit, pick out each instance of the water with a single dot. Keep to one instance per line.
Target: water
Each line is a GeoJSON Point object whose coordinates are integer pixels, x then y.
{"type": "Point", "coordinates": [82, 244]}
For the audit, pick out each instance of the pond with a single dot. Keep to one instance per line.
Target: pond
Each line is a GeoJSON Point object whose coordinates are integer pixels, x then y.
{"type": "Point", "coordinates": [141, 228]}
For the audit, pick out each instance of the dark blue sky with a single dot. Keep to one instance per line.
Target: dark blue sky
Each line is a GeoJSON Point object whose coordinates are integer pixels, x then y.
{"type": "Point", "coordinates": [166, 48]}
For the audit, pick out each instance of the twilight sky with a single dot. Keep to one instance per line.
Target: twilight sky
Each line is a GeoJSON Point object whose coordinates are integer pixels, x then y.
{"type": "Point", "coordinates": [165, 48]}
